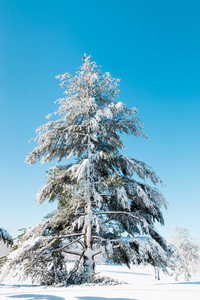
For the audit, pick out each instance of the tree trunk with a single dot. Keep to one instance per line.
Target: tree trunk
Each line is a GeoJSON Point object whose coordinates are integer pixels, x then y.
{"type": "Point", "coordinates": [186, 275]}
{"type": "Point", "coordinates": [157, 273]}
{"type": "Point", "coordinates": [88, 256]}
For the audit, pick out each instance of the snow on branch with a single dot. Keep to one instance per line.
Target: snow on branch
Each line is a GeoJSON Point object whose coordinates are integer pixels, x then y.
{"type": "Point", "coordinates": [131, 165]}
{"type": "Point", "coordinates": [141, 220]}
{"type": "Point", "coordinates": [88, 130]}
{"type": "Point", "coordinates": [6, 237]}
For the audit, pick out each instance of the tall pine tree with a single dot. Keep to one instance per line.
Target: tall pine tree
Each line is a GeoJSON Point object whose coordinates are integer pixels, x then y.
{"type": "Point", "coordinates": [102, 208]}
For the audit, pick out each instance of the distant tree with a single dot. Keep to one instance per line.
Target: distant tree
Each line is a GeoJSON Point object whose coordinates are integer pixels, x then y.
{"type": "Point", "coordinates": [101, 207]}
{"type": "Point", "coordinates": [188, 251]}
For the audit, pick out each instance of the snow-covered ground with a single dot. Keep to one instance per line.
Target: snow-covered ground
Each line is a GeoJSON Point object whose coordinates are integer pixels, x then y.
{"type": "Point", "coordinates": [140, 285]}
{"type": "Point", "coordinates": [4, 249]}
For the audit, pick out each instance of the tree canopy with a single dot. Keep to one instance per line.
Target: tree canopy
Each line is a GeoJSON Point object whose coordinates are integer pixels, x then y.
{"type": "Point", "coordinates": [102, 207]}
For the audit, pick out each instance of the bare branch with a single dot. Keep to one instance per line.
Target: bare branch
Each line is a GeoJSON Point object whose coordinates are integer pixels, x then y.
{"type": "Point", "coordinates": [63, 248]}
{"type": "Point", "coordinates": [72, 252]}
{"type": "Point", "coordinates": [38, 270]}
{"type": "Point", "coordinates": [96, 253]}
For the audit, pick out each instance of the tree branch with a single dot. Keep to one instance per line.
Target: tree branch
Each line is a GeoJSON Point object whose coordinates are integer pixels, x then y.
{"type": "Point", "coordinates": [72, 252]}
{"type": "Point", "coordinates": [64, 246]}
{"type": "Point", "coordinates": [120, 212]}
{"type": "Point", "coordinates": [146, 225]}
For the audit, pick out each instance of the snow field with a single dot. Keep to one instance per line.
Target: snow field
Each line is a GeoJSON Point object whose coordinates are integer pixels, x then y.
{"type": "Point", "coordinates": [140, 285]}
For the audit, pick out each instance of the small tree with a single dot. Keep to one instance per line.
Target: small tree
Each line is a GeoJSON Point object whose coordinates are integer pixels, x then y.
{"type": "Point", "coordinates": [101, 207]}
{"type": "Point", "coordinates": [188, 251]}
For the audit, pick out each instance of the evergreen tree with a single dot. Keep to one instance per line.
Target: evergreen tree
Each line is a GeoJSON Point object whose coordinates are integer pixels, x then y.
{"type": "Point", "coordinates": [188, 250]}
{"type": "Point", "coordinates": [101, 207]}
{"type": "Point", "coordinates": [36, 254]}
{"type": "Point", "coordinates": [6, 242]}
{"type": "Point", "coordinates": [6, 237]}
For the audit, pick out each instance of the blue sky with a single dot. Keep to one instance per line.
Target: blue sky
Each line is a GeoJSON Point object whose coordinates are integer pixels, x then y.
{"type": "Point", "coordinates": [153, 46]}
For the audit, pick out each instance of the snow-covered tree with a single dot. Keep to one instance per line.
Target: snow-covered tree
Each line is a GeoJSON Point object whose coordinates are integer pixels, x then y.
{"type": "Point", "coordinates": [102, 208]}
{"type": "Point", "coordinates": [188, 250]}
{"type": "Point", "coordinates": [6, 242]}
{"type": "Point", "coordinates": [28, 258]}
{"type": "Point", "coordinates": [6, 237]}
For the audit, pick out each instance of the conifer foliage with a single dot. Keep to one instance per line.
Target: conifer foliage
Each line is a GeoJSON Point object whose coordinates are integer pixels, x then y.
{"type": "Point", "coordinates": [6, 237]}
{"type": "Point", "coordinates": [102, 209]}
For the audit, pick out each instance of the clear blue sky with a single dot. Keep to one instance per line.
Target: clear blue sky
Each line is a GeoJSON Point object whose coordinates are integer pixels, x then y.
{"type": "Point", "coordinates": [153, 46]}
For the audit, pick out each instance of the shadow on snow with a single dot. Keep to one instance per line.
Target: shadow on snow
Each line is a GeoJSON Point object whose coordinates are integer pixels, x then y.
{"type": "Point", "coordinates": [178, 283]}
{"type": "Point", "coordinates": [102, 298]}
{"type": "Point", "coordinates": [131, 273]}
{"type": "Point", "coordinates": [50, 297]}
{"type": "Point", "coordinates": [19, 285]}
{"type": "Point", "coordinates": [36, 297]}
{"type": "Point", "coordinates": [187, 282]}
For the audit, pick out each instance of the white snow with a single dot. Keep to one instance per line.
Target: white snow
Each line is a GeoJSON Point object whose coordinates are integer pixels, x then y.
{"type": "Point", "coordinates": [140, 285]}
{"type": "Point", "coordinates": [4, 249]}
